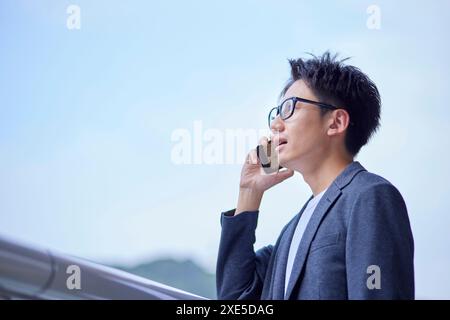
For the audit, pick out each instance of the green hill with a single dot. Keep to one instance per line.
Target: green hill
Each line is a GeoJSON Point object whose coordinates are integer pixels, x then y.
{"type": "Point", "coordinates": [185, 275]}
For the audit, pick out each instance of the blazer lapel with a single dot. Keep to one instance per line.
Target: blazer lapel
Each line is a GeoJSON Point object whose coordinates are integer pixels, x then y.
{"type": "Point", "coordinates": [282, 256]}
{"type": "Point", "coordinates": [330, 196]}
{"type": "Point", "coordinates": [322, 208]}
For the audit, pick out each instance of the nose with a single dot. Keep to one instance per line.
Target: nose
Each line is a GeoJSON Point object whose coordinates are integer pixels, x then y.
{"type": "Point", "coordinates": [277, 125]}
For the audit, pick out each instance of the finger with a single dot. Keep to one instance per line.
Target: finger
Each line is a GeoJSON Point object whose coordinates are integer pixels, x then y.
{"type": "Point", "coordinates": [283, 175]}
{"type": "Point", "coordinates": [252, 158]}
{"type": "Point", "coordinates": [263, 141]}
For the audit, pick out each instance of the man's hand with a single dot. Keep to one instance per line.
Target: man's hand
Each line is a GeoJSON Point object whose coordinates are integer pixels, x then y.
{"type": "Point", "coordinates": [254, 181]}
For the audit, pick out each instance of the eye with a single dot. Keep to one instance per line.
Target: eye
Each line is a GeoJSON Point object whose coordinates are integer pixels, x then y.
{"type": "Point", "coordinates": [287, 108]}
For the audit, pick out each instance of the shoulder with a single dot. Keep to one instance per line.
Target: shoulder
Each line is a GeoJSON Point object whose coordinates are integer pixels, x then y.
{"type": "Point", "coordinates": [367, 184]}
{"type": "Point", "coordinates": [372, 197]}
{"type": "Point", "coordinates": [377, 210]}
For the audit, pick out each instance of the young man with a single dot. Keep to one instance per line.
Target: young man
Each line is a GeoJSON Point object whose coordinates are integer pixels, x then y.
{"type": "Point", "coordinates": [352, 239]}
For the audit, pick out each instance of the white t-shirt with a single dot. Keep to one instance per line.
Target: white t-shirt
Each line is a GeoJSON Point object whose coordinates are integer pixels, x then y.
{"type": "Point", "coordinates": [298, 234]}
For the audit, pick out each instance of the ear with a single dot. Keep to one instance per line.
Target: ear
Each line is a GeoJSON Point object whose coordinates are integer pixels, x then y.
{"type": "Point", "coordinates": [338, 122]}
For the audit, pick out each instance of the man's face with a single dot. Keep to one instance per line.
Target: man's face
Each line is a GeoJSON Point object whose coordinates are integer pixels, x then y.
{"type": "Point", "coordinates": [305, 132]}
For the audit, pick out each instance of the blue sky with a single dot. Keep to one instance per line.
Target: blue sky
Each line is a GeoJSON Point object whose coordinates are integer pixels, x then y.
{"type": "Point", "coordinates": [86, 118]}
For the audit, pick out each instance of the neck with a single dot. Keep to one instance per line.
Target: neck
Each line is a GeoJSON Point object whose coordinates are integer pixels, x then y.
{"type": "Point", "coordinates": [320, 175]}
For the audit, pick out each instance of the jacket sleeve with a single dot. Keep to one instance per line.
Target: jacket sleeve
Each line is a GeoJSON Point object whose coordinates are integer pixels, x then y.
{"type": "Point", "coordinates": [240, 271]}
{"type": "Point", "coordinates": [380, 246]}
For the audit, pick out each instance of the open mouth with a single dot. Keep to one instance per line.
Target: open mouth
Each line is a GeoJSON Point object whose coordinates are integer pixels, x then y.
{"type": "Point", "coordinates": [280, 144]}
{"type": "Point", "coordinates": [279, 140]}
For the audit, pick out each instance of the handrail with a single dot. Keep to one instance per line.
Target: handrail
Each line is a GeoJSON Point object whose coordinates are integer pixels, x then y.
{"type": "Point", "coordinates": [29, 272]}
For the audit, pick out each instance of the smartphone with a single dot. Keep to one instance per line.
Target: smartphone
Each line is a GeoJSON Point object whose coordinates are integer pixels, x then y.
{"type": "Point", "coordinates": [268, 158]}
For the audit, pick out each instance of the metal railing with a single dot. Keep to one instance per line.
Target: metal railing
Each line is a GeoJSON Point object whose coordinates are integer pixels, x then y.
{"type": "Point", "coordinates": [29, 272]}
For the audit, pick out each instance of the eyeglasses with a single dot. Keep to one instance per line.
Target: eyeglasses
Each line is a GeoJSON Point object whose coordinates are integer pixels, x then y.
{"type": "Point", "coordinates": [287, 107]}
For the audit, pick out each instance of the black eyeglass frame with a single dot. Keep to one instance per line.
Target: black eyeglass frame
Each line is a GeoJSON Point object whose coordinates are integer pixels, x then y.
{"type": "Point", "coordinates": [298, 99]}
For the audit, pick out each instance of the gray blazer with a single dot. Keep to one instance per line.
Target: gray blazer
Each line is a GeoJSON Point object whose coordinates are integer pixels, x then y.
{"type": "Point", "coordinates": [357, 245]}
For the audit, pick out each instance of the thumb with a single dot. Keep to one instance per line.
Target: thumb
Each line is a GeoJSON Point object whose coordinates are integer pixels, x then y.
{"type": "Point", "coordinates": [283, 175]}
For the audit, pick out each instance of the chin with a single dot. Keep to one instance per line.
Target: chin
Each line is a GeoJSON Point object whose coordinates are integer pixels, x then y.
{"type": "Point", "coordinates": [289, 162]}
{"type": "Point", "coordinates": [284, 162]}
